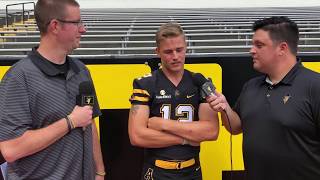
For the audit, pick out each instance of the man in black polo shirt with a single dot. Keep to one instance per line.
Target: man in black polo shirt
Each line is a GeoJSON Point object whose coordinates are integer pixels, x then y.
{"type": "Point", "coordinates": [43, 133]}
{"type": "Point", "coordinates": [278, 113]}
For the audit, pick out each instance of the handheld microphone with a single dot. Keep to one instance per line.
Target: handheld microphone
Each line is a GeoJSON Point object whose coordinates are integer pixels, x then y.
{"type": "Point", "coordinates": [206, 85]}
{"type": "Point", "coordinates": [86, 96]}
{"type": "Point", "coordinates": [208, 89]}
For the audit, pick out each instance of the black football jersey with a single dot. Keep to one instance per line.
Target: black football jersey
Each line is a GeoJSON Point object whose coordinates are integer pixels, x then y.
{"type": "Point", "coordinates": [165, 100]}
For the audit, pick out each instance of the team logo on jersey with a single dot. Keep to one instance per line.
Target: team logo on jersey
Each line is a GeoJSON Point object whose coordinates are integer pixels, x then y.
{"type": "Point", "coordinates": [148, 175]}
{"type": "Point", "coordinates": [163, 95]}
{"type": "Point", "coordinates": [177, 93]}
{"type": "Point", "coordinates": [162, 92]}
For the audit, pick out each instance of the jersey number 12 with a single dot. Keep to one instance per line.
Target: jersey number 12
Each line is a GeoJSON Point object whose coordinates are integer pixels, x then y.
{"type": "Point", "coordinates": [183, 111]}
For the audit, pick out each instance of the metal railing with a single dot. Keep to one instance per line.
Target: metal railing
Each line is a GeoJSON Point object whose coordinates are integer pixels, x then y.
{"type": "Point", "coordinates": [22, 13]}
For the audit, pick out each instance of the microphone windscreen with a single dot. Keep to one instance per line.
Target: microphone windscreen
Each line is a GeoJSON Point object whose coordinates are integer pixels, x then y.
{"type": "Point", "coordinates": [198, 79]}
{"type": "Point", "coordinates": [86, 87]}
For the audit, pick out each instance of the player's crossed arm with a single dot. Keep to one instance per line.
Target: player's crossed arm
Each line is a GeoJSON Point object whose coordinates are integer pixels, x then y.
{"type": "Point", "coordinates": [141, 135]}
{"type": "Point", "coordinates": [206, 129]}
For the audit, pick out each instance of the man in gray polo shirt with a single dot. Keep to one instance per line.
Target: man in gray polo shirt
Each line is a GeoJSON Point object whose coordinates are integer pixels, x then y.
{"type": "Point", "coordinates": [43, 133]}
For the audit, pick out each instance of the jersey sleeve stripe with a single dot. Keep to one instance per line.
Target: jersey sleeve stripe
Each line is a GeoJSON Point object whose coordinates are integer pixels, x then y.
{"type": "Point", "coordinates": [141, 91]}
{"type": "Point", "coordinates": [137, 98]}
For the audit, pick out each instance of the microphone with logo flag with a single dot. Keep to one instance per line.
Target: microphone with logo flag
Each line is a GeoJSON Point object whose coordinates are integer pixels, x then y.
{"type": "Point", "coordinates": [206, 85]}
{"type": "Point", "coordinates": [208, 89]}
{"type": "Point", "coordinates": [86, 95]}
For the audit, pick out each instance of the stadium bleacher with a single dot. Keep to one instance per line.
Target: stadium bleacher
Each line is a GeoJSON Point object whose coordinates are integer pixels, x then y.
{"type": "Point", "coordinates": [130, 32]}
{"type": "Point", "coordinates": [127, 36]}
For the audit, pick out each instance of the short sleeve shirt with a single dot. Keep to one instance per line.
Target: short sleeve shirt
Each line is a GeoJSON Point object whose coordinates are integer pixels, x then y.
{"type": "Point", "coordinates": [34, 95]}
{"type": "Point", "coordinates": [280, 123]}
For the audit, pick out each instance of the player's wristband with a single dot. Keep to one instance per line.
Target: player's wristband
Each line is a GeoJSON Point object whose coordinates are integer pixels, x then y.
{"type": "Point", "coordinates": [101, 173]}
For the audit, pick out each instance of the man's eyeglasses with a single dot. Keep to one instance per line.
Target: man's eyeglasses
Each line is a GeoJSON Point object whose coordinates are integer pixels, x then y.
{"type": "Point", "coordinates": [77, 23]}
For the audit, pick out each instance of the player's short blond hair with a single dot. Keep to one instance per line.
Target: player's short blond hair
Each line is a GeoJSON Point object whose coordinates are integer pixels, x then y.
{"type": "Point", "coordinates": [168, 30]}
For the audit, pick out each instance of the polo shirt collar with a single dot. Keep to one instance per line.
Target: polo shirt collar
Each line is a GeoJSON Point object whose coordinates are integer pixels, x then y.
{"type": "Point", "coordinates": [289, 77]}
{"type": "Point", "coordinates": [46, 66]}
